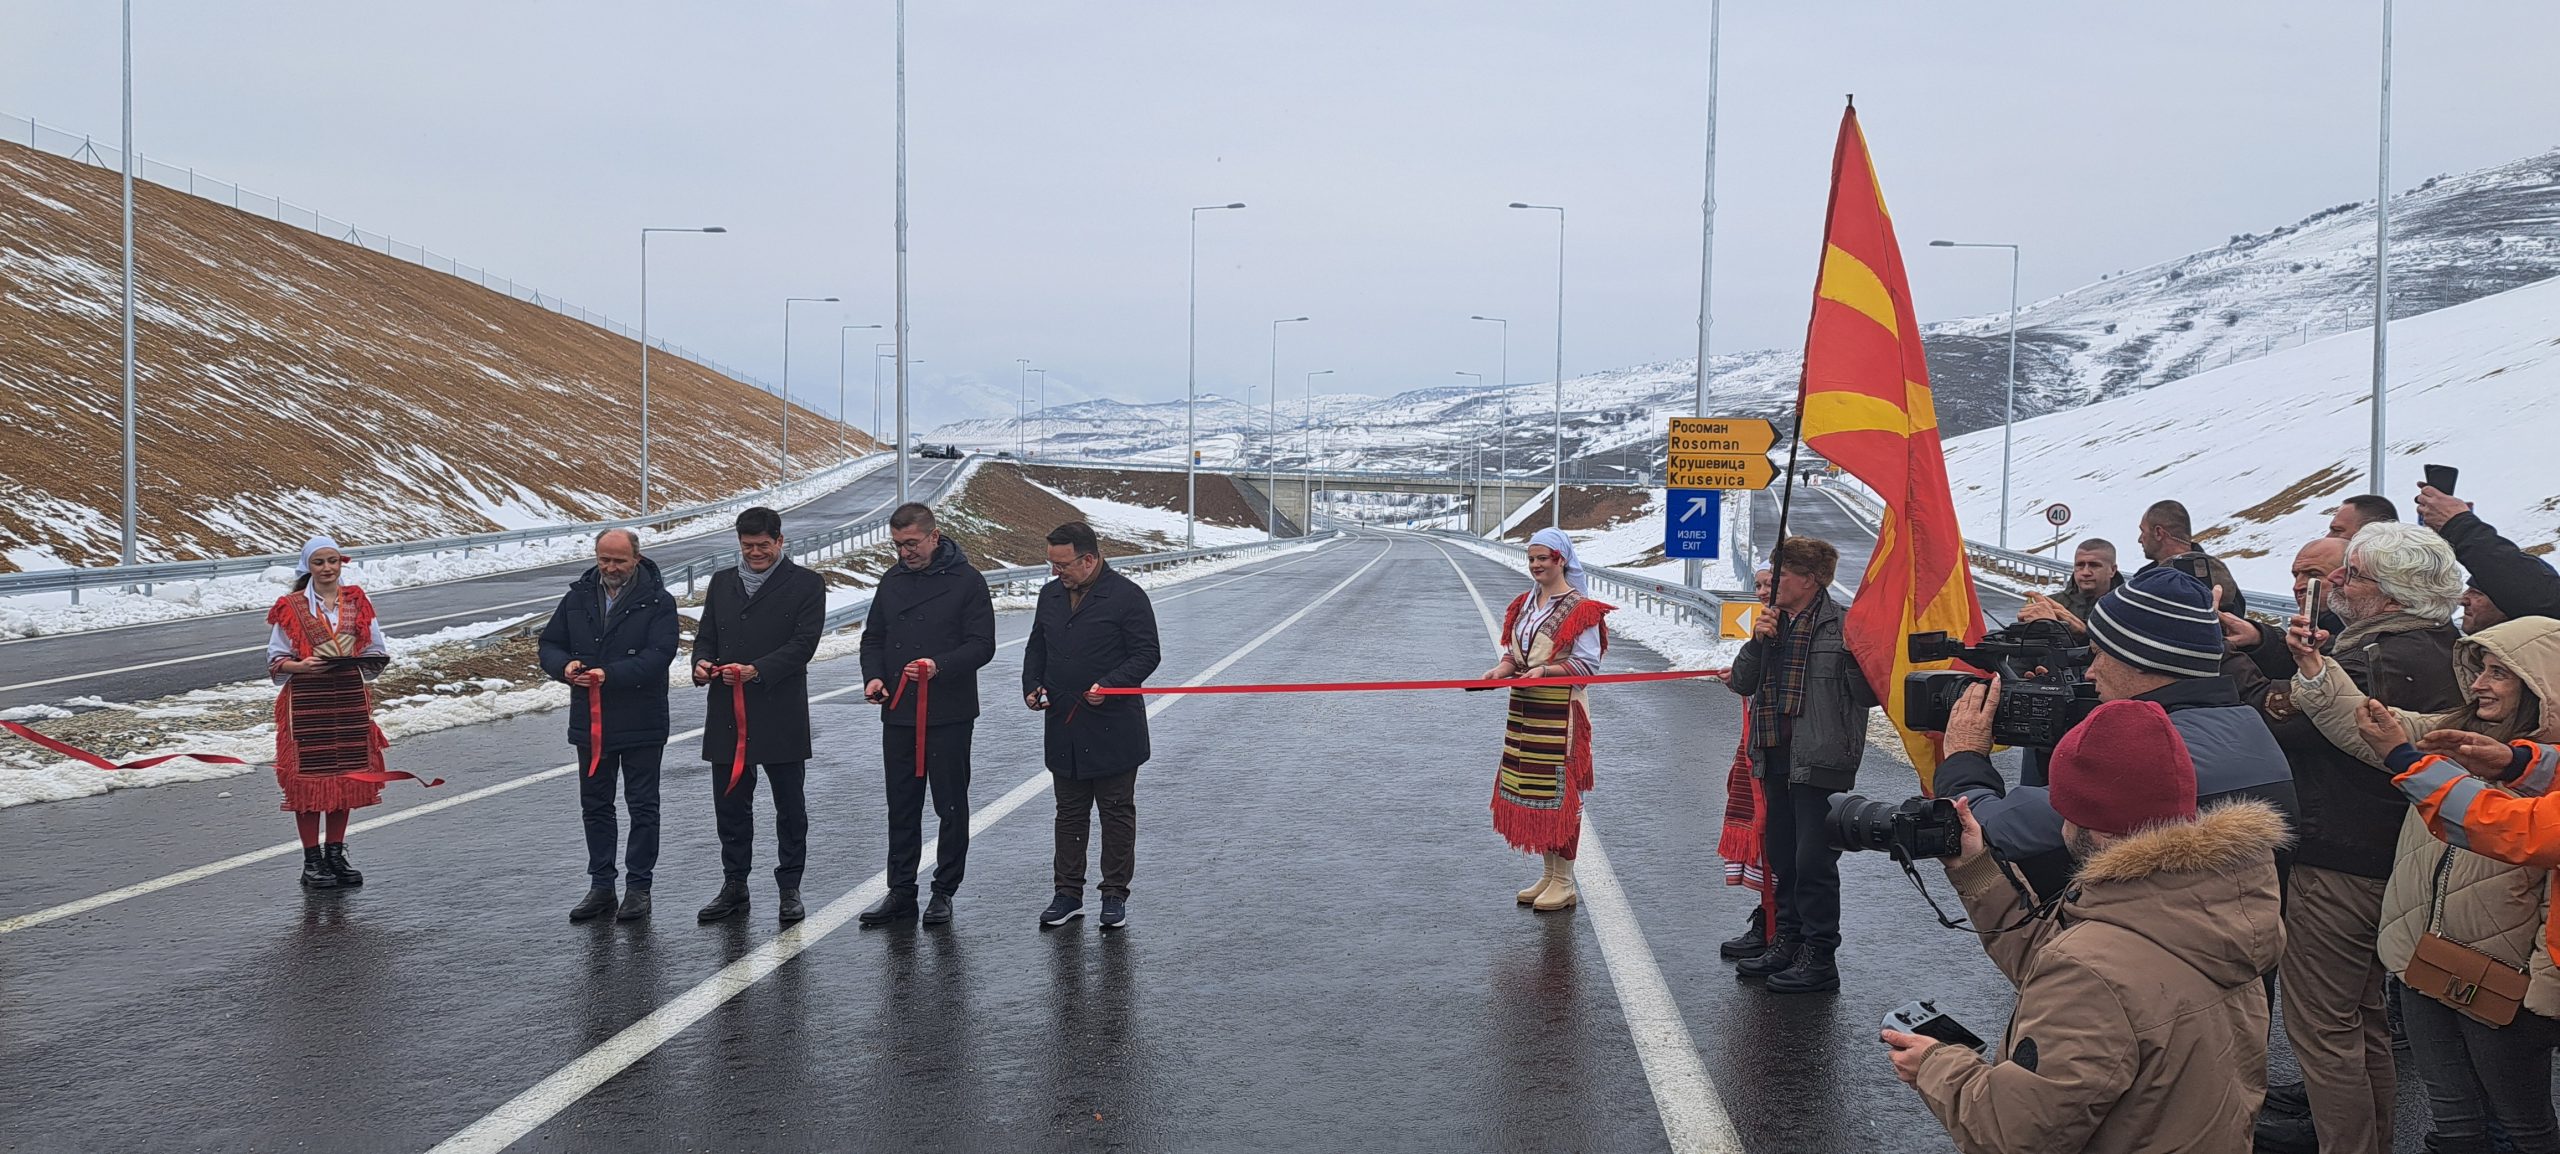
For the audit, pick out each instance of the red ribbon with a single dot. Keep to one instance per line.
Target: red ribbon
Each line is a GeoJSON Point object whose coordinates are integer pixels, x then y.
{"type": "Point", "coordinates": [86, 757]}
{"type": "Point", "coordinates": [1393, 686]}
{"type": "Point", "coordinates": [921, 697]}
{"type": "Point", "coordinates": [595, 726]}
{"type": "Point", "coordinates": [738, 714]}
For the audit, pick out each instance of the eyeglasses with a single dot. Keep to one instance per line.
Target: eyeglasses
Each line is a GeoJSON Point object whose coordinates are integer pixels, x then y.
{"type": "Point", "coordinates": [2349, 575]}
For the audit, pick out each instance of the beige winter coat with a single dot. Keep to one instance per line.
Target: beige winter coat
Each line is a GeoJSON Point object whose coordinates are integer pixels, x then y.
{"type": "Point", "coordinates": [2141, 1023]}
{"type": "Point", "coordinates": [2494, 907]}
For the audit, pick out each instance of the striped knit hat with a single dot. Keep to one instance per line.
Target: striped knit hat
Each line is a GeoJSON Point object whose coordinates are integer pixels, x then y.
{"type": "Point", "coordinates": [2163, 621]}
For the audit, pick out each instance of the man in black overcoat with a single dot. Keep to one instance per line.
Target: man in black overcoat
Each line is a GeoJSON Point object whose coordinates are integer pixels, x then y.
{"type": "Point", "coordinates": [760, 626]}
{"type": "Point", "coordinates": [932, 627]}
{"type": "Point", "coordinates": [1093, 628]}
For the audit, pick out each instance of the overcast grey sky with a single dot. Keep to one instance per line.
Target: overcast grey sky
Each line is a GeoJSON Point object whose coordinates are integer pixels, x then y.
{"type": "Point", "coordinates": [1054, 149]}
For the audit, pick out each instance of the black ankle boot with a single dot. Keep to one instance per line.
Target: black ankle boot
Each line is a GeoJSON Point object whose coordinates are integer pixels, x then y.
{"type": "Point", "coordinates": [316, 874]}
{"type": "Point", "coordinates": [731, 899]}
{"type": "Point", "coordinates": [334, 856]}
{"type": "Point", "coordinates": [1752, 943]}
{"type": "Point", "coordinates": [1771, 960]}
{"type": "Point", "coordinates": [1813, 973]}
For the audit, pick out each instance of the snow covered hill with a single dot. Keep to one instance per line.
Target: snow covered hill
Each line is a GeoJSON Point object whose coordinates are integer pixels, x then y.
{"type": "Point", "coordinates": [2454, 239]}
{"type": "Point", "coordinates": [2262, 450]}
{"type": "Point", "coordinates": [290, 383]}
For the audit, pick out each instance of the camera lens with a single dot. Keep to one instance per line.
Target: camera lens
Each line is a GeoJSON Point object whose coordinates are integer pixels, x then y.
{"type": "Point", "coordinates": [1859, 823]}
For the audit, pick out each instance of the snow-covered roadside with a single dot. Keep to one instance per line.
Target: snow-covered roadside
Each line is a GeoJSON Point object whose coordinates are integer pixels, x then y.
{"type": "Point", "coordinates": [1126, 522]}
{"type": "Point", "coordinates": [1685, 646]}
{"type": "Point", "coordinates": [42, 614]}
{"type": "Point", "coordinates": [30, 774]}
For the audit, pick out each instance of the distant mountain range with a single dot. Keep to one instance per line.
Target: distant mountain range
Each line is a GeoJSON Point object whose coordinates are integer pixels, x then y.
{"type": "Point", "coordinates": [2454, 239]}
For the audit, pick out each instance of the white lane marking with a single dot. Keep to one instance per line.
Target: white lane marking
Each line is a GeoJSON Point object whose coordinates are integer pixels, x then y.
{"type": "Point", "coordinates": [1693, 1115]}
{"type": "Point", "coordinates": [530, 1110]}
{"type": "Point", "coordinates": [138, 889]}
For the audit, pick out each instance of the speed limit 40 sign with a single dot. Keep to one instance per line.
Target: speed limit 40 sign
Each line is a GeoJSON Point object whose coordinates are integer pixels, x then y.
{"type": "Point", "coordinates": [2057, 514]}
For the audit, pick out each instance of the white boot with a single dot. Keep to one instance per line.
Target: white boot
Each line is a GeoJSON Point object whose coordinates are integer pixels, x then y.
{"type": "Point", "coordinates": [1546, 877]}
{"type": "Point", "coordinates": [1560, 893]}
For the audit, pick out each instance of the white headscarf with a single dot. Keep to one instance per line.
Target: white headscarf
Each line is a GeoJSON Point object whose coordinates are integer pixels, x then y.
{"type": "Point", "coordinates": [312, 546]}
{"type": "Point", "coordinates": [1555, 539]}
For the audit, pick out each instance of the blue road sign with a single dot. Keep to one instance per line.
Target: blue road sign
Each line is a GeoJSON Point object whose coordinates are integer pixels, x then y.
{"type": "Point", "coordinates": [1692, 523]}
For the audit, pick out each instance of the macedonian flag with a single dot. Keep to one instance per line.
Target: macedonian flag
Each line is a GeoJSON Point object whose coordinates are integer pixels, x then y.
{"type": "Point", "coordinates": [1866, 407]}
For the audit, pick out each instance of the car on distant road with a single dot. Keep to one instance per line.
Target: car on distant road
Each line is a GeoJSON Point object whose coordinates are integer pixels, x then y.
{"type": "Point", "coordinates": [940, 452]}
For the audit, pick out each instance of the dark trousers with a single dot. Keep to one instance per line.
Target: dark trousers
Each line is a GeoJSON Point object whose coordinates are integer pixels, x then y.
{"type": "Point", "coordinates": [1800, 853]}
{"type": "Point", "coordinates": [637, 766]}
{"type": "Point", "coordinates": [2477, 1074]}
{"type": "Point", "coordinates": [1117, 798]}
{"type": "Point", "coordinates": [946, 766]}
{"type": "Point", "coordinates": [735, 812]}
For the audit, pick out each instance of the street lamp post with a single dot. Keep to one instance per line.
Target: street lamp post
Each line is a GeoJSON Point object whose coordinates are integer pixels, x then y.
{"type": "Point", "coordinates": [1191, 389]}
{"type": "Point", "coordinates": [1041, 398]}
{"type": "Point", "coordinates": [1307, 441]}
{"type": "Point", "coordinates": [1271, 482]}
{"type": "Point", "coordinates": [1462, 461]}
{"type": "Point", "coordinates": [2009, 418]}
{"type": "Point", "coordinates": [644, 355]}
{"type": "Point", "coordinates": [2381, 266]}
{"type": "Point", "coordinates": [1021, 380]}
{"type": "Point", "coordinates": [1555, 506]}
{"type": "Point", "coordinates": [132, 472]}
{"type": "Point", "coordinates": [1502, 426]}
{"type": "Point", "coordinates": [879, 349]}
{"type": "Point", "coordinates": [841, 422]}
{"type": "Point", "coordinates": [783, 473]}
{"type": "Point", "coordinates": [1694, 570]}
{"type": "Point", "coordinates": [902, 252]}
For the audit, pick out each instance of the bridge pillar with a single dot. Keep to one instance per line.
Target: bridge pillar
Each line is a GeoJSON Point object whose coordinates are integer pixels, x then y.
{"type": "Point", "coordinates": [1292, 506]}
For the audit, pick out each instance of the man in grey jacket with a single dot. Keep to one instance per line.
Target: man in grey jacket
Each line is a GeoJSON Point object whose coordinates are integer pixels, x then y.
{"type": "Point", "coordinates": [1809, 703]}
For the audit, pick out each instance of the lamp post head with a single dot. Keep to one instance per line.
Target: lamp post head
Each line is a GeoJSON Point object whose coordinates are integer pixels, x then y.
{"type": "Point", "coordinates": [1238, 204]}
{"type": "Point", "coordinates": [715, 228]}
{"type": "Point", "coordinates": [1517, 204]}
{"type": "Point", "coordinates": [1288, 320]}
{"type": "Point", "coordinates": [1942, 244]}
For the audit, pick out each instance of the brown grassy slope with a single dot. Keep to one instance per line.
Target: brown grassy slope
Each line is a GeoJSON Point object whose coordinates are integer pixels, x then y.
{"type": "Point", "coordinates": [1002, 521]}
{"type": "Point", "coordinates": [1220, 503]}
{"type": "Point", "coordinates": [1593, 508]}
{"type": "Point", "coordinates": [291, 383]}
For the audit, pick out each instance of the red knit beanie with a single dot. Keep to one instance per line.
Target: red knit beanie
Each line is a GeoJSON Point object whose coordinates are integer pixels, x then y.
{"type": "Point", "coordinates": [2123, 769]}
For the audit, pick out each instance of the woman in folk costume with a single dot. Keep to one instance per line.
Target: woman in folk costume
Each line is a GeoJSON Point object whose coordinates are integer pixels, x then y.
{"type": "Point", "coordinates": [1553, 630]}
{"type": "Point", "coordinates": [323, 645]}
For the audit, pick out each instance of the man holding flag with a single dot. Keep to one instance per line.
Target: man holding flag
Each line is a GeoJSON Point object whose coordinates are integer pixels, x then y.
{"type": "Point", "coordinates": [1865, 405]}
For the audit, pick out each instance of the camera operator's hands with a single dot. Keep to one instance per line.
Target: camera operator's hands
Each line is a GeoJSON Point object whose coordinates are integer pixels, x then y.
{"type": "Point", "coordinates": [2436, 507]}
{"type": "Point", "coordinates": [2381, 731]}
{"type": "Point", "coordinates": [2240, 633]}
{"type": "Point", "coordinates": [2484, 756]}
{"type": "Point", "coordinates": [1969, 720]}
{"type": "Point", "coordinates": [2304, 643]}
{"type": "Point", "coordinates": [2042, 608]}
{"type": "Point", "coordinates": [1908, 1050]}
{"type": "Point", "coordinates": [1970, 843]}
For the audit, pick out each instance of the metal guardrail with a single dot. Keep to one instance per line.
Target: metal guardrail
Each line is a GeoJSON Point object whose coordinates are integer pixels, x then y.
{"type": "Point", "coordinates": [1438, 478]}
{"type": "Point", "coordinates": [160, 572]}
{"type": "Point", "coordinates": [834, 542]}
{"type": "Point", "coordinates": [1644, 591]}
{"type": "Point", "coordinates": [846, 615]}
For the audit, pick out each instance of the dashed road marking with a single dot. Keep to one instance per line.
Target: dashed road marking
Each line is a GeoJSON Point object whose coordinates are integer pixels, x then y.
{"type": "Point", "coordinates": [1693, 1115]}
{"type": "Point", "coordinates": [545, 1100]}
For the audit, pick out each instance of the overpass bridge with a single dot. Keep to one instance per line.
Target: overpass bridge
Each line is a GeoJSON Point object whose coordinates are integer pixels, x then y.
{"type": "Point", "coordinates": [1485, 501]}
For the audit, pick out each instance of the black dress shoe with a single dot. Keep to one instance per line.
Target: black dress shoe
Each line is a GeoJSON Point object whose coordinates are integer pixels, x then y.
{"type": "Point", "coordinates": [792, 910]}
{"type": "Point", "coordinates": [1813, 973]}
{"type": "Point", "coordinates": [937, 909]}
{"type": "Point", "coordinates": [316, 874]}
{"type": "Point", "coordinates": [1751, 944]}
{"type": "Point", "coordinates": [598, 900]}
{"type": "Point", "coordinates": [892, 907]}
{"type": "Point", "coordinates": [1770, 961]}
{"type": "Point", "coordinates": [635, 905]}
{"type": "Point", "coordinates": [732, 899]}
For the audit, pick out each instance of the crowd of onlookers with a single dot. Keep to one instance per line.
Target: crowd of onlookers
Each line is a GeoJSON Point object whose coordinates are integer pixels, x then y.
{"type": "Point", "coordinates": [2336, 821]}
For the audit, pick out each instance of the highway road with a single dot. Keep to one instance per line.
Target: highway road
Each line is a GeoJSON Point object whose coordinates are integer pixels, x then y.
{"type": "Point", "coordinates": [139, 662]}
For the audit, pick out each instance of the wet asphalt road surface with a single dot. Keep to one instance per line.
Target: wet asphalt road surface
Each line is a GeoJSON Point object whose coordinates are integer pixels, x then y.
{"type": "Point", "coordinates": [126, 664]}
{"type": "Point", "coordinates": [1323, 953]}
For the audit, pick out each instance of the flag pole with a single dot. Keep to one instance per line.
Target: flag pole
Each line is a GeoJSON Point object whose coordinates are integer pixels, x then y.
{"type": "Point", "coordinates": [1795, 436]}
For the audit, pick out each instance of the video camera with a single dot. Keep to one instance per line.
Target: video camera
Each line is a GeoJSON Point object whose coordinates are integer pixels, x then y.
{"type": "Point", "coordinates": [2042, 694]}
